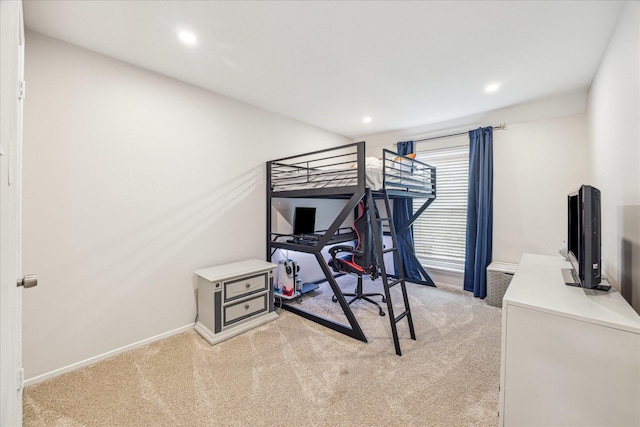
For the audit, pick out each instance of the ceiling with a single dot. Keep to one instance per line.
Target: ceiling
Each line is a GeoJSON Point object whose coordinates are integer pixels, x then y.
{"type": "Point", "coordinates": [331, 63]}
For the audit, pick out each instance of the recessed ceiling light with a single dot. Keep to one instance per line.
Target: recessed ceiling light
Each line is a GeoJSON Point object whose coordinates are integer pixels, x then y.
{"type": "Point", "coordinates": [366, 120]}
{"type": "Point", "coordinates": [492, 87]}
{"type": "Point", "coordinates": [187, 37]}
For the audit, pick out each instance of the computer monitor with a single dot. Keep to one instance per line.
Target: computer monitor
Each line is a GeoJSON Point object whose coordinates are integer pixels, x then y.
{"type": "Point", "coordinates": [304, 221]}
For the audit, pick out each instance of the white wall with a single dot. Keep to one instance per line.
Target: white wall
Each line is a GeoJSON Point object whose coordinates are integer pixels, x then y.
{"type": "Point", "coordinates": [538, 159]}
{"type": "Point", "coordinates": [614, 130]}
{"type": "Point", "coordinates": [535, 166]}
{"type": "Point", "coordinates": [539, 110]}
{"type": "Point", "coordinates": [131, 182]}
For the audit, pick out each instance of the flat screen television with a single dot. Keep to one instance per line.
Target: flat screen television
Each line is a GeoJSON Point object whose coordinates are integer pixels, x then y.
{"type": "Point", "coordinates": [304, 221]}
{"type": "Point", "coordinates": [584, 238]}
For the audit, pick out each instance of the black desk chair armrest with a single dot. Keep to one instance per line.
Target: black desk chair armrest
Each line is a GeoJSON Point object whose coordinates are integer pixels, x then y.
{"type": "Point", "coordinates": [344, 248]}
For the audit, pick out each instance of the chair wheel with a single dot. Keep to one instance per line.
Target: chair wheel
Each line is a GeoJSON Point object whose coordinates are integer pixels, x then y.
{"type": "Point", "coordinates": [382, 313]}
{"type": "Point", "coordinates": [334, 298]}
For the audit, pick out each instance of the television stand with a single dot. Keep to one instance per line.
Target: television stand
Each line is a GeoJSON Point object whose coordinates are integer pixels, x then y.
{"type": "Point", "coordinates": [570, 279]}
{"type": "Point", "coordinates": [563, 349]}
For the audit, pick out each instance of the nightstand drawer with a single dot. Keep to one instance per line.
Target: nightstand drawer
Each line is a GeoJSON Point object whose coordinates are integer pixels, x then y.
{"type": "Point", "coordinates": [245, 286]}
{"type": "Point", "coordinates": [244, 309]}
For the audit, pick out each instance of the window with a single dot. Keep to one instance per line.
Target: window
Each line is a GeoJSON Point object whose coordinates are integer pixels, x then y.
{"type": "Point", "coordinates": [440, 232]}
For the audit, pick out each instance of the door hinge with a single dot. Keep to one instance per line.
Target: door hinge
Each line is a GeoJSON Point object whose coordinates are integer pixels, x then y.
{"type": "Point", "coordinates": [20, 379]}
{"type": "Point", "coordinates": [21, 89]}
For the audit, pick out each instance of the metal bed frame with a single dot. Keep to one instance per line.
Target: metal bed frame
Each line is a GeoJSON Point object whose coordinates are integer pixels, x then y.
{"type": "Point", "coordinates": [340, 173]}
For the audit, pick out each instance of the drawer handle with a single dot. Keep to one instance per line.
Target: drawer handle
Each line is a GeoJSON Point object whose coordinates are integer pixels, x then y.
{"type": "Point", "coordinates": [248, 285]}
{"type": "Point", "coordinates": [246, 306]}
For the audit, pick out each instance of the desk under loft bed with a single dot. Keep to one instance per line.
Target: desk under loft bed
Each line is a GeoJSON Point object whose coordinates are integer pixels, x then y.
{"type": "Point", "coordinates": [345, 173]}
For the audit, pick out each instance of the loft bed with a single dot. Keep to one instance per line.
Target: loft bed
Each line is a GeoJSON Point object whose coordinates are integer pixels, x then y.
{"type": "Point", "coordinates": [345, 172]}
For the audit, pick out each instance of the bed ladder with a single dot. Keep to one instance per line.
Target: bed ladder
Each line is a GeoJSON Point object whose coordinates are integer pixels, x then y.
{"type": "Point", "coordinates": [377, 224]}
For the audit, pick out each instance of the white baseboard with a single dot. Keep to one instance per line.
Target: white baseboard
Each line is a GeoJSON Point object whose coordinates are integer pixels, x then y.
{"type": "Point", "coordinates": [106, 355]}
{"type": "Point", "coordinates": [444, 277]}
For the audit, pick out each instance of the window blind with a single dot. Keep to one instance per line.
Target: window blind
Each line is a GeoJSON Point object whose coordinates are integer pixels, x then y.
{"type": "Point", "coordinates": [440, 232]}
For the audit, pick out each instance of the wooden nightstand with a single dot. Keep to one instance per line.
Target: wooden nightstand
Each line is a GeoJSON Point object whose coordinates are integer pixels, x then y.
{"type": "Point", "coordinates": [233, 298]}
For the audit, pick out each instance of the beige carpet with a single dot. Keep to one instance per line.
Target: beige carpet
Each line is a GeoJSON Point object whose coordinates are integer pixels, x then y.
{"type": "Point", "coordinates": [293, 372]}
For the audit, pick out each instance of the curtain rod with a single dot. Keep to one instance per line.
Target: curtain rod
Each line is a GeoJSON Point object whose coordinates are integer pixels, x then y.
{"type": "Point", "coordinates": [499, 127]}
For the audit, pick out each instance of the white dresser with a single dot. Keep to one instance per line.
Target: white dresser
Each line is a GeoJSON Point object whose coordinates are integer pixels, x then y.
{"type": "Point", "coordinates": [570, 356]}
{"type": "Point", "coordinates": [233, 298]}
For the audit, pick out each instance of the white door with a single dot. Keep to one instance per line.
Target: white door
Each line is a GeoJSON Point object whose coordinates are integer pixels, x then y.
{"type": "Point", "coordinates": [11, 75]}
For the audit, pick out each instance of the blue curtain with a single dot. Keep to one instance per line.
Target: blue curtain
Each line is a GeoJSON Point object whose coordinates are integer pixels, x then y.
{"type": "Point", "coordinates": [402, 212]}
{"type": "Point", "coordinates": [479, 211]}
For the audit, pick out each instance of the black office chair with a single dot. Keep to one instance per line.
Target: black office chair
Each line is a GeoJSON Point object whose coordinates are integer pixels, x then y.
{"type": "Point", "coordinates": [360, 260]}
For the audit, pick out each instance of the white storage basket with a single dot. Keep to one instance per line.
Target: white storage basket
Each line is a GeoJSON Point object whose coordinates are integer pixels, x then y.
{"type": "Point", "coordinates": [499, 275]}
